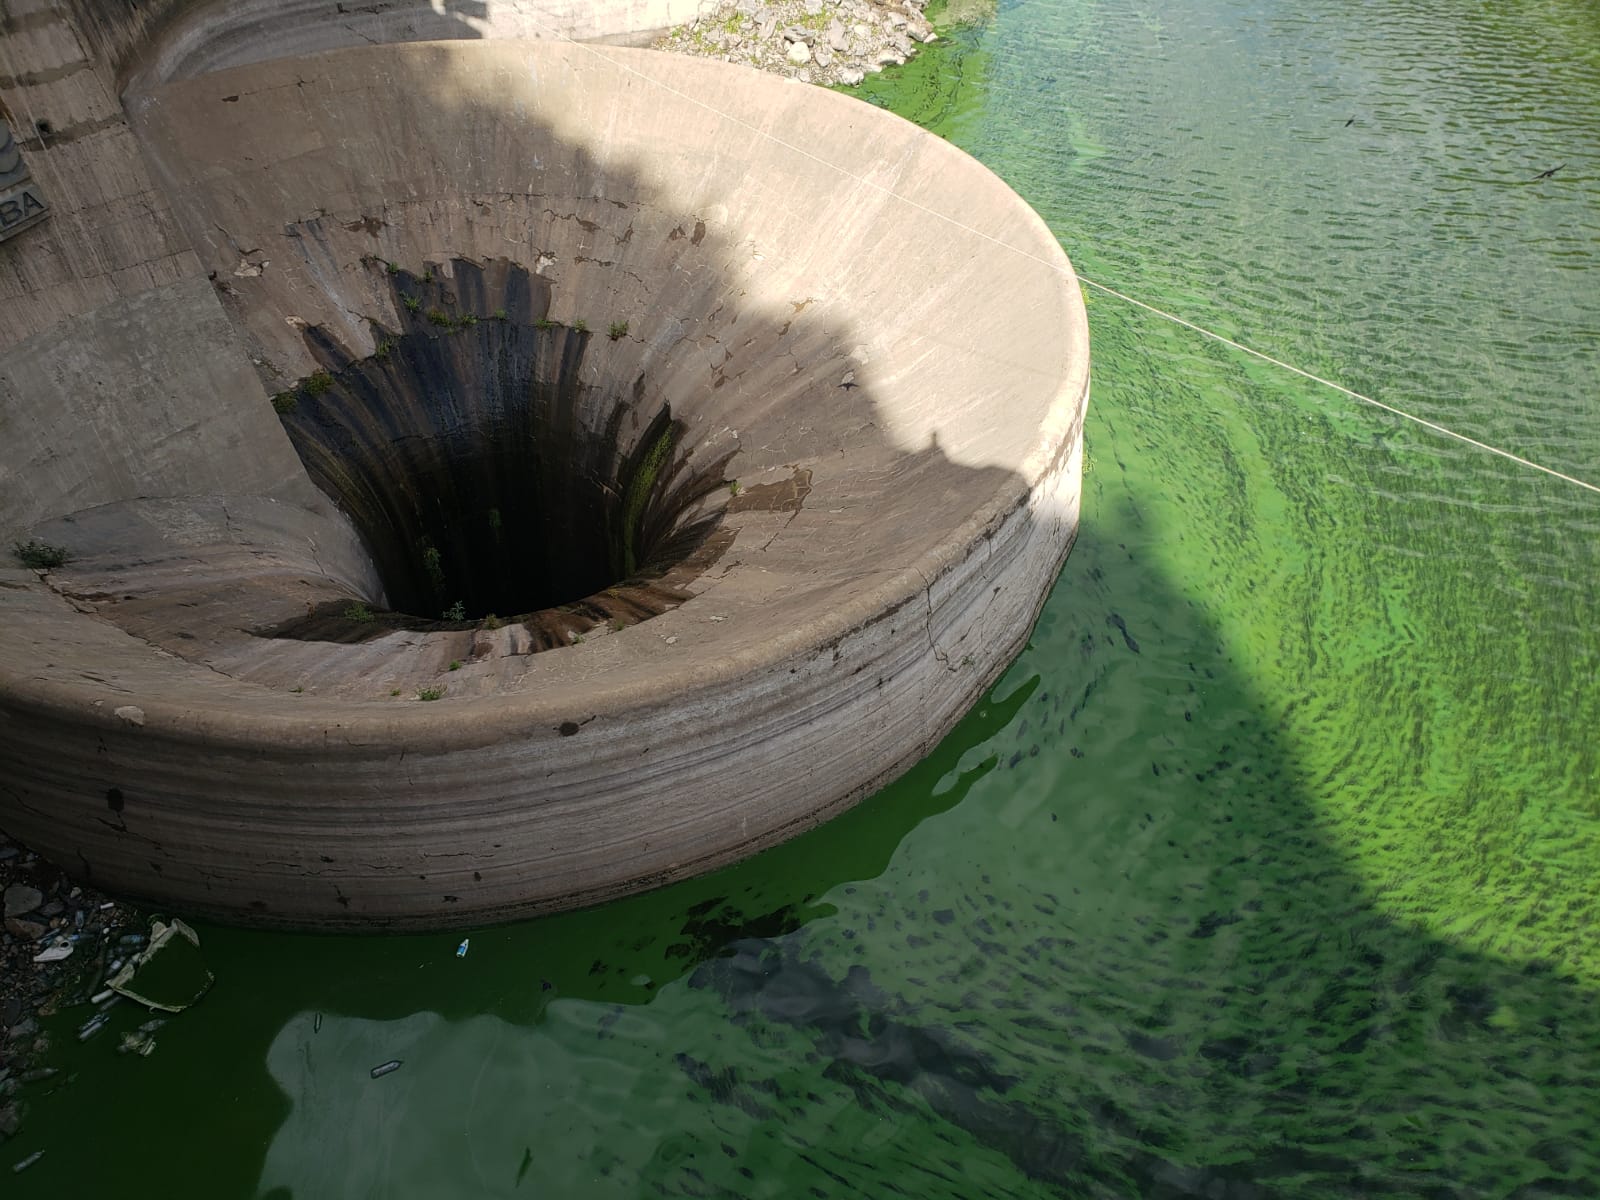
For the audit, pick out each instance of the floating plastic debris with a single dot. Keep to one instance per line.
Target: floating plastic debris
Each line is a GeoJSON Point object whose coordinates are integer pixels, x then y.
{"type": "Point", "coordinates": [461, 950]}
{"type": "Point", "coordinates": [316, 1023]}
{"type": "Point", "coordinates": [169, 974]}
{"type": "Point", "coordinates": [141, 1044]}
{"type": "Point", "coordinates": [382, 1069]}
{"type": "Point", "coordinates": [27, 1162]}
{"type": "Point", "coordinates": [54, 953]}
{"type": "Point", "coordinates": [92, 1026]}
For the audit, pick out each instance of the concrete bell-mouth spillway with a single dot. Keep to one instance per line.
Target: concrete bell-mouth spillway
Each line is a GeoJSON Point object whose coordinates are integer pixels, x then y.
{"type": "Point", "coordinates": [571, 469]}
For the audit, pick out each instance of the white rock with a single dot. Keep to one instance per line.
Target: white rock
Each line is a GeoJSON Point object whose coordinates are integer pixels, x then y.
{"type": "Point", "coordinates": [799, 54]}
{"type": "Point", "coordinates": [131, 713]}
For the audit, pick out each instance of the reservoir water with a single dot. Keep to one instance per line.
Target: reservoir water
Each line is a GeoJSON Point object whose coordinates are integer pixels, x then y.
{"type": "Point", "coordinates": [1269, 869]}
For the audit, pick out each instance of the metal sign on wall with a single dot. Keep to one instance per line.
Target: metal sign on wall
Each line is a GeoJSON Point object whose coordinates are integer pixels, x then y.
{"type": "Point", "coordinates": [21, 202]}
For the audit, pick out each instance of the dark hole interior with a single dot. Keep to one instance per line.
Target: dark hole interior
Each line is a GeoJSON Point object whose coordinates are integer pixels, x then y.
{"type": "Point", "coordinates": [482, 474]}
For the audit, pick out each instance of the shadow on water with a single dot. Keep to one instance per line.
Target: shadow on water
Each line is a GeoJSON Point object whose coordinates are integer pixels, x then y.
{"type": "Point", "coordinates": [1094, 945]}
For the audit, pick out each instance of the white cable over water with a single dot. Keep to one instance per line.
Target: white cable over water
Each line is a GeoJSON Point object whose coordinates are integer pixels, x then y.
{"type": "Point", "coordinates": [1339, 387]}
{"type": "Point", "coordinates": [862, 180]}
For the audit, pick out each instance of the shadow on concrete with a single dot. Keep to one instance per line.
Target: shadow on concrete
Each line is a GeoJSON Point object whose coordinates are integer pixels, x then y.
{"type": "Point", "coordinates": [1066, 955]}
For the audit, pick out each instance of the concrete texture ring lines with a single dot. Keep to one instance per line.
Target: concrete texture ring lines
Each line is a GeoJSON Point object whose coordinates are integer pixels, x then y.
{"type": "Point", "coordinates": [544, 483]}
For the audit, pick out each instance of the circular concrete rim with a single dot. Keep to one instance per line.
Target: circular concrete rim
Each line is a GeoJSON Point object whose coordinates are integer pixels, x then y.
{"type": "Point", "coordinates": [472, 722]}
{"type": "Point", "coordinates": [240, 718]}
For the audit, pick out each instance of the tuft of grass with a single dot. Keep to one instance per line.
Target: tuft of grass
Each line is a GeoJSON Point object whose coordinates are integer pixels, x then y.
{"type": "Point", "coordinates": [359, 613]}
{"type": "Point", "coordinates": [297, 689]}
{"type": "Point", "coordinates": [466, 320]}
{"type": "Point", "coordinates": [427, 276]}
{"type": "Point", "coordinates": [617, 625]}
{"type": "Point", "coordinates": [38, 555]}
{"type": "Point", "coordinates": [544, 323]}
{"type": "Point", "coordinates": [499, 314]}
{"type": "Point", "coordinates": [617, 330]}
{"type": "Point", "coordinates": [430, 693]}
{"type": "Point", "coordinates": [394, 692]}
{"type": "Point", "coordinates": [412, 303]}
{"type": "Point", "coordinates": [392, 268]}
{"type": "Point", "coordinates": [437, 316]}
{"type": "Point", "coordinates": [285, 402]}
{"type": "Point", "coordinates": [455, 664]}
{"type": "Point", "coordinates": [492, 622]}
{"type": "Point", "coordinates": [319, 383]}
{"type": "Point", "coordinates": [580, 326]}
{"type": "Point", "coordinates": [382, 349]}
{"type": "Point", "coordinates": [733, 487]}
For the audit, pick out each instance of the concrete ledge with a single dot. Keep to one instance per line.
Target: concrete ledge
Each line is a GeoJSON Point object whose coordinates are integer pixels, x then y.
{"type": "Point", "coordinates": [875, 309]}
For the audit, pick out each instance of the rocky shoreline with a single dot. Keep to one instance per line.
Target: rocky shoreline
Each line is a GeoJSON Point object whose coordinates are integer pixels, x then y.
{"type": "Point", "coordinates": [61, 942]}
{"type": "Point", "coordinates": [824, 42]}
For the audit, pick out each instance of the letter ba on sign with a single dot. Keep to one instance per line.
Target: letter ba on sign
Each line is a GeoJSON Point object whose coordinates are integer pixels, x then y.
{"type": "Point", "coordinates": [21, 202]}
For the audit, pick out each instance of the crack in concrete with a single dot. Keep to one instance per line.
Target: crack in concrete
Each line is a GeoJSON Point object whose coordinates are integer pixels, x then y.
{"type": "Point", "coordinates": [927, 592]}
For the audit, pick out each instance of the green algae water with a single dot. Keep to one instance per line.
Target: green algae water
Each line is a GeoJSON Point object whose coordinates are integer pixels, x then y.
{"type": "Point", "coordinates": [1269, 869]}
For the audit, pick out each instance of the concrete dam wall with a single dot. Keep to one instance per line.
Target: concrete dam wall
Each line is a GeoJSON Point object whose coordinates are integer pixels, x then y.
{"type": "Point", "coordinates": [512, 474]}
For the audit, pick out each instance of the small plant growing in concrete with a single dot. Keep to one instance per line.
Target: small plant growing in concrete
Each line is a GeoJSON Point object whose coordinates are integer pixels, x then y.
{"type": "Point", "coordinates": [492, 622]}
{"type": "Point", "coordinates": [392, 268]}
{"type": "Point", "coordinates": [580, 326]}
{"type": "Point", "coordinates": [438, 316]}
{"type": "Point", "coordinates": [499, 314]}
{"type": "Point", "coordinates": [412, 303]}
{"type": "Point", "coordinates": [456, 612]}
{"type": "Point", "coordinates": [39, 556]}
{"type": "Point", "coordinates": [394, 692]}
{"type": "Point", "coordinates": [359, 613]}
{"type": "Point", "coordinates": [297, 689]}
{"type": "Point", "coordinates": [455, 664]}
{"type": "Point", "coordinates": [617, 331]}
{"type": "Point", "coordinates": [733, 487]}
{"type": "Point", "coordinates": [616, 625]}
{"type": "Point", "coordinates": [319, 383]}
{"type": "Point", "coordinates": [433, 564]}
{"type": "Point", "coordinates": [285, 402]}
{"type": "Point", "coordinates": [544, 323]}
{"type": "Point", "coordinates": [430, 693]}
{"type": "Point", "coordinates": [466, 320]}
{"type": "Point", "coordinates": [382, 350]}
{"type": "Point", "coordinates": [427, 276]}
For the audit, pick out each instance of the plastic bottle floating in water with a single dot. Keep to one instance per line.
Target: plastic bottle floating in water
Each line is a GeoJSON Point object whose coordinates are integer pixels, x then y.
{"type": "Point", "coordinates": [382, 1069]}
{"type": "Point", "coordinates": [461, 950]}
